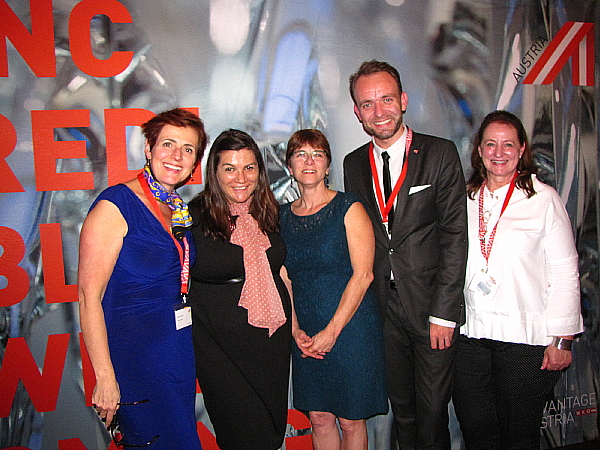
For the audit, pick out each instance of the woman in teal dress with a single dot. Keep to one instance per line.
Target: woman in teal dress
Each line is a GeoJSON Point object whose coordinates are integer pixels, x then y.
{"type": "Point", "coordinates": [338, 371]}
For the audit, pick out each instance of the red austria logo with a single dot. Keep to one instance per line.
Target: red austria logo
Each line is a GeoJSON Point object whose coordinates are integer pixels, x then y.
{"type": "Point", "coordinates": [574, 40]}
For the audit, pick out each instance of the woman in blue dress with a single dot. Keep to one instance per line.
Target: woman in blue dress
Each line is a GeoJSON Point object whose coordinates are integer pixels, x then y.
{"type": "Point", "coordinates": [134, 248]}
{"type": "Point", "coordinates": [338, 371]}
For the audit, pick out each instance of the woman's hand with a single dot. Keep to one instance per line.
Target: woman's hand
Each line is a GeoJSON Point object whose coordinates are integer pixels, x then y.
{"type": "Point", "coordinates": [323, 341]}
{"type": "Point", "coordinates": [304, 341]}
{"type": "Point", "coordinates": [105, 399]}
{"type": "Point", "coordinates": [556, 359]}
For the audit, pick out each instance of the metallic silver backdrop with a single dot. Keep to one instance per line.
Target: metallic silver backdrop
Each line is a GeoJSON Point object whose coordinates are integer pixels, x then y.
{"type": "Point", "coordinates": [273, 66]}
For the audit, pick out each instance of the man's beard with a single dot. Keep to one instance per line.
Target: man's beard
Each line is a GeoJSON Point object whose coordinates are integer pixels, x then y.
{"type": "Point", "coordinates": [383, 135]}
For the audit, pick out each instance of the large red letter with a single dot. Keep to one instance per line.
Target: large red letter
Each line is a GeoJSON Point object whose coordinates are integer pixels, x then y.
{"type": "Point", "coordinates": [37, 47]}
{"type": "Point", "coordinates": [10, 183]}
{"type": "Point", "coordinates": [299, 421]}
{"type": "Point", "coordinates": [12, 254]}
{"type": "Point", "coordinates": [18, 364]}
{"type": "Point", "coordinates": [71, 444]}
{"type": "Point", "coordinates": [53, 266]}
{"type": "Point", "coordinates": [208, 441]}
{"type": "Point", "coordinates": [116, 121]}
{"type": "Point", "coordinates": [46, 150]}
{"type": "Point", "coordinates": [79, 37]}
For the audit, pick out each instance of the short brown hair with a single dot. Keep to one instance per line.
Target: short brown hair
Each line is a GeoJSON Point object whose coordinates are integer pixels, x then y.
{"type": "Point", "coordinates": [311, 137]}
{"type": "Point", "coordinates": [177, 117]}
{"type": "Point", "coordinates": [370, 68]}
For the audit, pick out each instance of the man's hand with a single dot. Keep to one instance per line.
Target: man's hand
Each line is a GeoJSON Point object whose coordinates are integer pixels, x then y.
{"type": "Point", "coordinates": [440, 336]}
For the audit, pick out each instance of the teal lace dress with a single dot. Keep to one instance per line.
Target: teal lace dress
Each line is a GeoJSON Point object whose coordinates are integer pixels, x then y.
{"type": "Point", "coordinates": [350, 381]}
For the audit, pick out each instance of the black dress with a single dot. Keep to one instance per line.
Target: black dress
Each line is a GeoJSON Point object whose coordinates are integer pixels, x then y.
{"type": "Point", "coordinates": [243, 373]}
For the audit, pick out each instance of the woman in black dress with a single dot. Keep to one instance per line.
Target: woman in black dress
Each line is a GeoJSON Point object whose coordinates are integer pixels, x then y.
{"type": "Point", "coordinates": [240, 305]}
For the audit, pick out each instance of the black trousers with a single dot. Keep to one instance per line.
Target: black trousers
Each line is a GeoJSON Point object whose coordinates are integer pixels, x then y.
{"type": "Point", "coordinates": [499, 393]}
{"type": "Point", "coordinates": [419, 381]}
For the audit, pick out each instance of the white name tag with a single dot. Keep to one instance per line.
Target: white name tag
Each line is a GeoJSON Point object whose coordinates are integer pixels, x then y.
{"type": "Point", "coordinates": [484, 284]}
{"type": "Point", "coordinates": [183, 317]}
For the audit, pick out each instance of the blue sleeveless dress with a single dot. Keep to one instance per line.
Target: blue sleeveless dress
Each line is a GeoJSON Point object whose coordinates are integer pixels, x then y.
{"type": "Point", "coordinates": [152, 360]}
{"type": "Point", "coordinates": [350, 381]}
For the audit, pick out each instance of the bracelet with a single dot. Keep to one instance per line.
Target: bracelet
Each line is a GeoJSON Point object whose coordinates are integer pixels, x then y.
{"type": "Point", "coordinates": [562, 343]}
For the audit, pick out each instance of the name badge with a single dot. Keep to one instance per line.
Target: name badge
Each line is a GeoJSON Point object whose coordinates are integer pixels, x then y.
{"type": "Point", "coordinates": [183, 316]}
{"type": "Point", "coordinates": [484, 284]}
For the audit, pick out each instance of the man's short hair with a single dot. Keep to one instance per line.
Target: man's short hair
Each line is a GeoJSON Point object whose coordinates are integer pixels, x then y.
{"type": "Point", "coordinates": [370, 68]}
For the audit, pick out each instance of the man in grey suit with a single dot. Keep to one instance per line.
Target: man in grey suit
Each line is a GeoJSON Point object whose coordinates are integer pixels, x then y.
{"type": "Point", "coordinates": [414, 192]}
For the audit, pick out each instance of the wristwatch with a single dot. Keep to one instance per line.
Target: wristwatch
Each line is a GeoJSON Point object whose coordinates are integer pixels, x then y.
{"type": "Point", "coordinates": [561, 343]}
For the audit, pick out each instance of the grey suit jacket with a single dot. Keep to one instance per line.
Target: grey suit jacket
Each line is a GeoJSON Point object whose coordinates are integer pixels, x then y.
{"type": "Point", "coordinates": [427, 249]}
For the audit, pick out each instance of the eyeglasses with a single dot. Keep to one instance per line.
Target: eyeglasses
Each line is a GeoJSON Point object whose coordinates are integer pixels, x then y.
{"type": "Point", "coordinates": [117, 434]}
{"type": "Point", "coordinates": [317, 155]}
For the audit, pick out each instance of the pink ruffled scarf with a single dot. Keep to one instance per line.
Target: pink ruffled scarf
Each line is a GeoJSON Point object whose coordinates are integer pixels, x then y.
{"type": "Point", "coordinates": [259, 294]}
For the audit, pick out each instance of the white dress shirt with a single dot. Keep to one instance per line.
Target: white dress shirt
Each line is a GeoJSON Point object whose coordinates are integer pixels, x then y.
{"type": "Point", "coordinates": [397, 152]}
{"type": "Point", "coordinates": [534, 262]}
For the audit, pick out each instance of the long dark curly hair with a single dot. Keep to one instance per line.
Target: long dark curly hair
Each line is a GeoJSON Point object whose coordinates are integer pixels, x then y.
{"type": "Point", "coordinates": [526, 167]}
{"type": "Point", "coordinates": [215, 219]}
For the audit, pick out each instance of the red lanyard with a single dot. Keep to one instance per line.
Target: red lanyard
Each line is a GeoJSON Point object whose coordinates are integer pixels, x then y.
{"type": "Point", "coordinates": [184, 255]}
{"type": "Point", "coordinates": [385, 208]}
{"type": "Point", "coordinates": [487, 249]}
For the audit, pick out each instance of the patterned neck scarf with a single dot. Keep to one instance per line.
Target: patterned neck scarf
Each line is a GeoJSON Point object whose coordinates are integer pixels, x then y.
{"type": "Point", "coordinates": [259, 294]}
{"type": "Point", "coordinates": [181, 216]}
